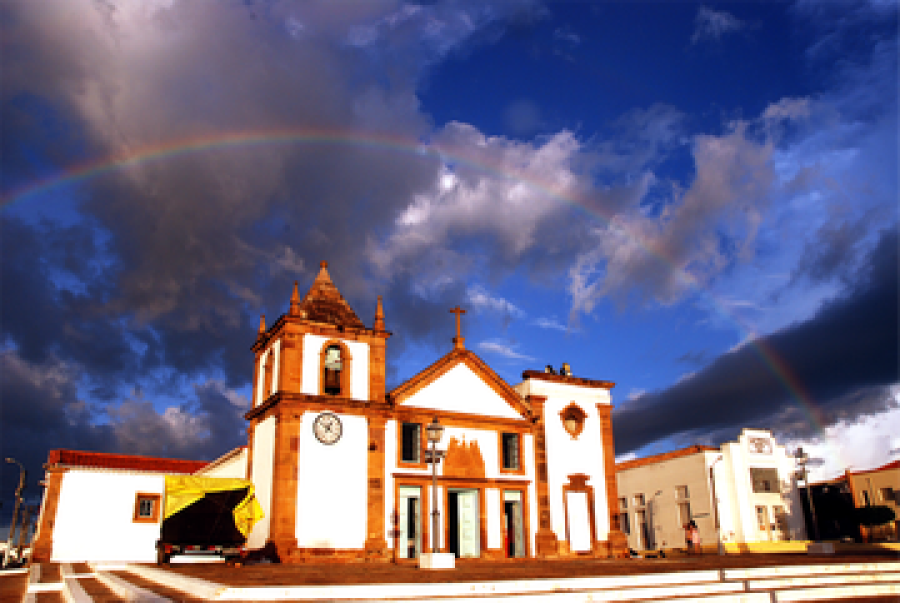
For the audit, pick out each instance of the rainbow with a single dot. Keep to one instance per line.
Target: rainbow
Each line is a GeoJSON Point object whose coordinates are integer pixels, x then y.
{"type": "Point", "coordinates": [395, 144]}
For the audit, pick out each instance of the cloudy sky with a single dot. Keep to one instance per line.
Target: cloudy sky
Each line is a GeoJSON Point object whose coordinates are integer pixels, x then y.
{"type": "Point", "coordinates": [697, 201]}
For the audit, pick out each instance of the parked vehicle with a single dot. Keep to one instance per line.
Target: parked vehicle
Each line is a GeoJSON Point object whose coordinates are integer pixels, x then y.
{"type": "Point", "coordinates": [206, 516]}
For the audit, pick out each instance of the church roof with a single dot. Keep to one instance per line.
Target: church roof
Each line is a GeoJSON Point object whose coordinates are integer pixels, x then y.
{"type": "Point", "coordinates": [324, 303]}
{"type": "Point", "coordinates": [105, 460]}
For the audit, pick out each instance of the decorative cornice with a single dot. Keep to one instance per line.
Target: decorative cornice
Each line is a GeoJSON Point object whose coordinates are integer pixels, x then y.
{"type": "Point", "coordinates": [542, 376]}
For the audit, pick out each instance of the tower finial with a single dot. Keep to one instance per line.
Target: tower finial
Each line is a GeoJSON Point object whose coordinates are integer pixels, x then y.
{"type": "Point", "coordinates": [458, 341]}
{"type": "Point", "coordinates": [295, 301]}
{"type": "Point", "coordinates": [262, 324]}
{"type": "Point", "coordinates": [379, 316]}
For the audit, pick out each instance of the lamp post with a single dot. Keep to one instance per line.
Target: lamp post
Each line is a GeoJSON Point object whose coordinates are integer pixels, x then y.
{"type": "Point", "coordinates": [715, 505]}
{"type": "Point", "coordinates": [12, 527]}
{"type": "Point", "coordinates": [802, 460]}
{"type": "Point", "coordinates": [434, 432]}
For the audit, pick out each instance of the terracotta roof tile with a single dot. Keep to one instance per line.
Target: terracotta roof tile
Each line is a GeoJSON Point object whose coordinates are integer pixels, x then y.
{"type": "Point", "coordinates": [106, 460]}
{"type": "Point", "coordinates": [665, 456]}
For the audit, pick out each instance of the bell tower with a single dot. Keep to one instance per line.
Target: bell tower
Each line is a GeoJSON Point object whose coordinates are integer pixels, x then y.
{"type": "Point", "coordinates": [318, 406]}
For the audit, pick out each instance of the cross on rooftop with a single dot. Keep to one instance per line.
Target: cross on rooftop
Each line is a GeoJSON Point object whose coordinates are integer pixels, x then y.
{"type": "Point", "coordinates": [458, 341]}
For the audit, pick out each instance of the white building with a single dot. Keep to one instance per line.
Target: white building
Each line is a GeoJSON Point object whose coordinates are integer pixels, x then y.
{"type": "Point", "coordinates": [751, 480]}
{"type": "Point", "coordinates": [103, 507]}
{"type": "Point", "coordinates": [339, 467]}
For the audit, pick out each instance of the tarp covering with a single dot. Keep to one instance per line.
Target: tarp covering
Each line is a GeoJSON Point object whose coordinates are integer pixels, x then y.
{"type": "Point", "coordinates": [184, 490]}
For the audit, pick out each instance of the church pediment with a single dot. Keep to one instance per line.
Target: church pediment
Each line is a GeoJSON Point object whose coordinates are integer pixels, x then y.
{"type": "Point", "coordinates": [460, 382]}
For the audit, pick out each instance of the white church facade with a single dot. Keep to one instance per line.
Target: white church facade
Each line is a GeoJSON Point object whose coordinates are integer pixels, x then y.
{"type": "Point", "coordinates": [339, 464]}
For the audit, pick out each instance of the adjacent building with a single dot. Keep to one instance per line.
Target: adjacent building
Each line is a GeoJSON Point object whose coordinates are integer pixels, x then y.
{"type": "Point", "coordinates": [741, 492]}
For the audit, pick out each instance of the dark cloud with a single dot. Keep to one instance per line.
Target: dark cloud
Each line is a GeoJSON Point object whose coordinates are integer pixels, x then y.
{"type": "Point", "coordinates": [839, 361]}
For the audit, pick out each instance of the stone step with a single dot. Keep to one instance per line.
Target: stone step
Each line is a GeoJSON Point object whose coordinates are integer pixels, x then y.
{"type": "Point", "coordinates": [746, 585]}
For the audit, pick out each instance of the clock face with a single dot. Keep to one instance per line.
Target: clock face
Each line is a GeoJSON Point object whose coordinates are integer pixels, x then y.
{"type": "Point", "coordinates": [327, 428]}
{"type": "Point", "coordinates": [761, 445]}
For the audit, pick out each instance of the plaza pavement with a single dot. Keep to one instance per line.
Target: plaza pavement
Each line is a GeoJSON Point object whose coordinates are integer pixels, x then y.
{"type": "Point", "coordinates": [708, 578]}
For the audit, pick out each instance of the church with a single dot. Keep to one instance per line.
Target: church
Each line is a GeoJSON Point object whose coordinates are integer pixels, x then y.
{"type": "Point", "coordinates": [341, 467]}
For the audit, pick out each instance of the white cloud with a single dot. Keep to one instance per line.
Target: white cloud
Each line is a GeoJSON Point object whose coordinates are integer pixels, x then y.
{"type": "Point", "coordinates": [551, 323]}
{"type": "Point", "coordinates": [628, 456]}
{"type": "Point", "coordinates": [864, 444]}
{"type": "Point", "coordinates": [502, 349]}
{"type": "Point", "coordinates": [663, 257]}
{"type": "Point", "coordinates": [711, 24]}
{"type": "Point", "coordinates": [481, 299]}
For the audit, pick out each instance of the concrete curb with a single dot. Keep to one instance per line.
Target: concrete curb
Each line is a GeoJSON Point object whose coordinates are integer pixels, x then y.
{"type": "Point", "coordinates": [72, 591]}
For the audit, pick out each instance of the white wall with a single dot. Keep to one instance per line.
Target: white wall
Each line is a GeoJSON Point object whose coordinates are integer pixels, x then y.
{"type": "Point", "coordinates": [332, 498]}
{"type": "Point", "coordinates": [261, 377]}
{"type": "Point", "coordinates": [359, 352]}
{"type": "Point", "coordinates": [263, 459]}
{"type": "Point", "coordinates": [566, 456]}
{"type": "Point", "coordinates": [662, 509]}
{"type": "Point", "coordinates": [94, 519]}
{"type": "Point", "coordinates": [235, 466]}
{"type": "Point", "coordinates": [461, 390]}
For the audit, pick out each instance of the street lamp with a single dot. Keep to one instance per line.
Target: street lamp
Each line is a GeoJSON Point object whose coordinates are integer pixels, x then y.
{"type": "Point", "coordinates": [802, 459]}
{"type": "Point", "coordinates": [12, 527]}
{"type": "Point", "coordinates": [715, 505]}
{"type": "Point", "coordinates": [434, 431]}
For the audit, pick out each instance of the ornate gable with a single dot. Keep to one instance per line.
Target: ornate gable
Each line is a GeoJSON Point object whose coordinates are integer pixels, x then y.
{"type": "Point", "coordinates": [324, 303]}
{"type": "Point", "coordinates": [432, 388]}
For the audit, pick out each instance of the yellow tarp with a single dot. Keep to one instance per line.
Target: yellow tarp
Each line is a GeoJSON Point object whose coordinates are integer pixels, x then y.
{"type": "Point", "coordinates": [184, 490]}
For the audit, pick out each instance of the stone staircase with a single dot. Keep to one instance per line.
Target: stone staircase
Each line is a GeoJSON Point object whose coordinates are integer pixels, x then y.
{"type": "Point", "coordinates": [862, 580]}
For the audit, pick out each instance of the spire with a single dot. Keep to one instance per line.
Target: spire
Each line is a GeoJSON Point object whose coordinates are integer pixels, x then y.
{"type": "Point", "coordinates": [379, 316]}
{"type": "Point", "coordinates": [262, 325]}
{"type": "Point", "coordinates": [324, 303]}
{"type": "Point", "coordinates": [295, 301]}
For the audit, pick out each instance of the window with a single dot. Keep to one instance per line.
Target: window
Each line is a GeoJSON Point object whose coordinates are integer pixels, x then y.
{"type": "Point", "coordinates": [623, 522]}
{"type": "Point", "coordinates": [764, 480]}
{"type": "Point", "coordinates": [638, 500]}
{"type": "Point", "coordinates": [623, 503]}
{"type": "Point", "coordinates": [684, 513]}
{"type": "Point", "coordinates": [332, 367]}
{"type": "Point", "coordinates": [412, 443]}
{"type": "Point", "coordinates": [510, 451]}
{"type": "Point", "coordinates": [762, 519]}
{"type": "Point", "coordinates": [146, 508]}
{"type": "Point", "coordinates": [573, 419]}
{"type": "Point", "coordinates": [681, 492]}
{"type": "Point", "coordinates": [887, 495]}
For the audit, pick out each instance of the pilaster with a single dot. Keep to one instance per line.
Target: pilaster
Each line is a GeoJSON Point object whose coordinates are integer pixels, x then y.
{"type": "Point", "coordinates": [283, 530]}
{"type": "Point", "coordinates": [618, 542]}
{"type": "Point", "coordinates": [291, 365]}
{"type": "Point", "coordinates": [376, 545]}
{"type": "Point", "coordinates": [42, 550]}
{"type": "Point", "coordinates": [545, 539]}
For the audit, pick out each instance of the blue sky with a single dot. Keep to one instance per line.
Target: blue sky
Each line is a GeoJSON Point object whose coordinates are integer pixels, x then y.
{"type": "Point", "coordinates": [697, 201]}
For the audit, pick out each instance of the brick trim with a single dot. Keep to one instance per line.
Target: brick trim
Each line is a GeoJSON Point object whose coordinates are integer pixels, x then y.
{"type": "Point", "coordinates": [580, 381]}
{"type": "Point", "coordinates": [376, 544]}
{"type": "Point", "coordinates": [141, 496]}
{"type": "Point", "coordinates": [578, 483]}
{"type": "Point", "coordinates": [346, 368]}
{"type": "Point", "coordinates": [42, 549]}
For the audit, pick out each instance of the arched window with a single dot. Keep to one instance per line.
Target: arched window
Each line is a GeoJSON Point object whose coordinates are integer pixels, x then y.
{"type": "Point", "coordinates": [331, 373]}
{"type": "Point", "coordinates": [335, 370]}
